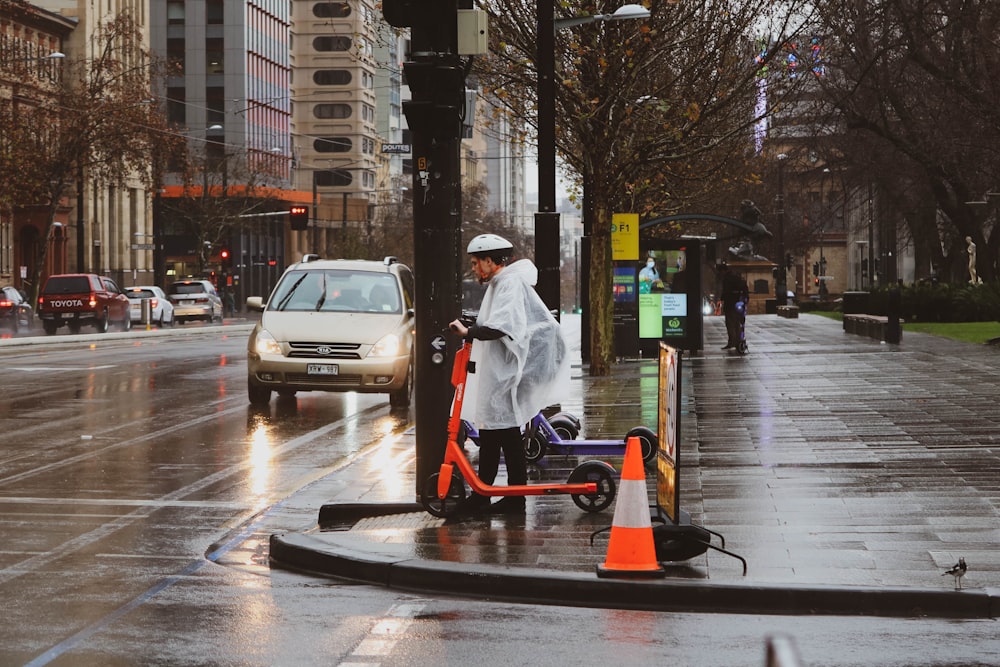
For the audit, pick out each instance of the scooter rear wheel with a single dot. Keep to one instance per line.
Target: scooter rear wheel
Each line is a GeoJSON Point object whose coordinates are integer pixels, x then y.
{"type": "Point", "coordinates": [603, 475]}
{"type": "Point", "coordinates": [442, 507]}
{"type": "Point", "coordinates": [648, 441]}
{"type": "Point", "coordinates": [564, 428]}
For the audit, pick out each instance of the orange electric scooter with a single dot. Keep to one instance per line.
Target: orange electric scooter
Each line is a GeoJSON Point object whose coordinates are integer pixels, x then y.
{"type": "Point", "coordinates": [591, 484]}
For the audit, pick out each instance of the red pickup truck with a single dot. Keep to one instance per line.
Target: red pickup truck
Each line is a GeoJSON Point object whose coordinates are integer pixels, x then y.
{"type": "Point", "coordinates": [75, 299]}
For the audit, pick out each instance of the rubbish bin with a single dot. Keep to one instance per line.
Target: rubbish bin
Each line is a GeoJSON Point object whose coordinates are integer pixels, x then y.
{"type": "Point", "coordinates": [855, 303]}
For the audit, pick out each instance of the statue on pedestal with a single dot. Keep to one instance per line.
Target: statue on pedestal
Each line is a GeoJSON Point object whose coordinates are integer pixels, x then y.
{"type": "Point", "coordinates": [970, 249]}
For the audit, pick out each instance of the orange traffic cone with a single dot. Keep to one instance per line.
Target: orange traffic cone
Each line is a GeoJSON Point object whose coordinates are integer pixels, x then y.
{"type": "Point", "coordinates": [631, 552]}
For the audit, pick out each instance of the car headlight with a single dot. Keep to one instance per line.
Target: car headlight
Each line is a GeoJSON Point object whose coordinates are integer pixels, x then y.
{"type": "Point", "coordinates": [265, 343]}
{"type": "Point", "coordinates": [389, 346]}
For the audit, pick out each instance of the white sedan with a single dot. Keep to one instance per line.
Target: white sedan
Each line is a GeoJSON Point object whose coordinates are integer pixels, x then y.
{"type": "Point", "coordinates": [161, 310]}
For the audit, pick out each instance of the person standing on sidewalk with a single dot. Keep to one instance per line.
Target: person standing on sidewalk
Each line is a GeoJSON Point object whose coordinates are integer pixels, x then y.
{"type": "Point", "coordinates": [734, 289]}
{"type": "Point", "coordinates": [518, 359]}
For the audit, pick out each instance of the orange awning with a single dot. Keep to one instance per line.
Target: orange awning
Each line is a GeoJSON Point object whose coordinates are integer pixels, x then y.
{"type": "Point", "coordinates": [291, 196]}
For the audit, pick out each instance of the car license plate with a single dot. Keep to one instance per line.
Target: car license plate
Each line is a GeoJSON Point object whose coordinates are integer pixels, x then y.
{"type": "Point", "coordinates": [322, 369]}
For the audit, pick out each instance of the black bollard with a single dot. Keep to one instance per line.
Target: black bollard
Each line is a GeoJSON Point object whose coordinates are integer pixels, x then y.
{"type": "Point", "coordinates": [894, 330]}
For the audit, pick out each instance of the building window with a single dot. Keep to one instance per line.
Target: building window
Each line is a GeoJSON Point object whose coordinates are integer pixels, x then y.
{"type": "Point", "coordinates": [336, 178]}
{"type": "Point", "coordinates": [331, 10]}
{"type": "Point", "coordinates": [332, 77]}
{"type": "Point", "coordinates": [215, 101]}
{"type": "Point", "coordinates": [215, 56]}
{"type": "Point", "coordinates": [332, 43]}
{"type": "Point", "coordinates": [175, 55]}
{"type": "Point", "coordinates": [333, 145]}
{"type": "Point", "coordinates": [175, 12]}
{"type": "Point", "coordinates": [332, 111]}
{"type": "Point", "coordinates": [177, 105]}
{"type": "Point", "coordinates": [214, 12]}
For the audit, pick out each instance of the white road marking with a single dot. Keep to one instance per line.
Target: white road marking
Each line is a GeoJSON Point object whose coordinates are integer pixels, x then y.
{"type": "Point", "coordinates": [384, 635]}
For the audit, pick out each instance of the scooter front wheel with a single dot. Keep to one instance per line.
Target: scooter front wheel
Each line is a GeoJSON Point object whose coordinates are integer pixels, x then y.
{"type": "Point", "coordinates": [603, 475]}
{"type": "Point", "coordinates": [535, 446]}
{"type": "Point", "coordinates": [442, 507]}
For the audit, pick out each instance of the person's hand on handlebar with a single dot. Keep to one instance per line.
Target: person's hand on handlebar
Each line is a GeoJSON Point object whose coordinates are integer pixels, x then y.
{"type": "Point", "coordinates": [458, 327]}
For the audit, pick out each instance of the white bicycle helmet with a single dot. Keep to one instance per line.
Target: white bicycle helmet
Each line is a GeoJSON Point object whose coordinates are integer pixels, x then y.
{"type": "Point", "coordinates": [488, 243]}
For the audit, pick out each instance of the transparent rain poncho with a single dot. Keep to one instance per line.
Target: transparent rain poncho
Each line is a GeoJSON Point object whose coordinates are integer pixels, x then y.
{"type": "Point", "coordinates": [517, 375]}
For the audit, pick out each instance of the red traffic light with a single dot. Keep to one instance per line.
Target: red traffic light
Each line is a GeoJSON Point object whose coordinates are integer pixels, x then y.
{"type": "Point", "coordinates": [298, 217]}
{"type": "Point", "coordinates": [224, 254]}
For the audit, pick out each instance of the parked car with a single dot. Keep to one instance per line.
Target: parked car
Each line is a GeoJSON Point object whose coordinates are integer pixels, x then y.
{"type": "Point", "coordinates": [15, 311]}
{"type": "Point", "coordinates": [160, 309]}
{"type": "Point", "coordinates": [335, 325]}
{"type": "Point", "coordinates": [195, 300]}
{"type": "Point", "coordinates": [75, 299]}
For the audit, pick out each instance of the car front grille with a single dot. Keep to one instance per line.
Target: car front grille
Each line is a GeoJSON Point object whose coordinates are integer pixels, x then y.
{"type": "Point", "coordinates": [334, 350]}
{"type": "Point", "coordinates": [328, 380]}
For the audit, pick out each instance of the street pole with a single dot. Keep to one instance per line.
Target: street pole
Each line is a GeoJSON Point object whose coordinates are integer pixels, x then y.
{"type": "Point", "coordinates": [436, 76]}
{"type": "Point", "coordinates": [780, 281]}
{"type": "Point", "coordinates": [547, 255]}
{"type": "Point", "coordinates": [315, 222]}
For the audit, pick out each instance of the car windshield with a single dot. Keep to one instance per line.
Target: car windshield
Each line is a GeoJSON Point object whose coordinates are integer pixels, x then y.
{"type": "Point", "coordinates": [336, 290]}
{"type": "Point", "coordinates": [140, 294]}
{"type": "Point", "coordinates": [187, 288]}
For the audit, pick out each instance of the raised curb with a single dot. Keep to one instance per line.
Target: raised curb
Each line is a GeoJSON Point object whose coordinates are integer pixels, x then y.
{"type": "Point", "coordinates": [337, 555]}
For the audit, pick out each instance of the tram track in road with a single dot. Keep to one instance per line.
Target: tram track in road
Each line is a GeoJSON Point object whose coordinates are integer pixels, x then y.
{"type": "Point", "coordinates": [174, 498]}
{"type": "Point", "coordinates": [245, 528]}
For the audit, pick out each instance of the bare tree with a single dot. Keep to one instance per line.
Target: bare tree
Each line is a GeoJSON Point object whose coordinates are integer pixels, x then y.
{"type": "Point", "coordinates": [915, 87]}
{"type": "Point", "coordinates": [221, 195]}
{"type": "Point", "coordinates": [98, 123]}
{"type": "Point", "coordinates": [653, 114]}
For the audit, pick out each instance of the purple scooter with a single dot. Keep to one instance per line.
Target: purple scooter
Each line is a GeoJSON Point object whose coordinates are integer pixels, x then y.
{"type": "Point", "coordinates": [557, 435]}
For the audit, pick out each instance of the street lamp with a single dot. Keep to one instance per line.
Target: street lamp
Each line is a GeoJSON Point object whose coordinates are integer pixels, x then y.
{"type": "Point", "coordinates": [547, 245]}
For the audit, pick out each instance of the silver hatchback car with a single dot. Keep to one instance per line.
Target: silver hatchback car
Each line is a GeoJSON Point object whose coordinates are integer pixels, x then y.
{"type": "Point", "coordinates": [335, 325]}
{"type": "Point", "coordinates": [195, 300]}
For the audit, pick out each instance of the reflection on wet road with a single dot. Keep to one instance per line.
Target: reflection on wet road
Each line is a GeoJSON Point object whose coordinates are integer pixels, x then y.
{"type": "Point", "coordinates": [124, 460]}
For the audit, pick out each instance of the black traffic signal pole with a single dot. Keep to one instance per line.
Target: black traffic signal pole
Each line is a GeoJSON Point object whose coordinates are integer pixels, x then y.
{"type": "Point", "coordinates": [547, 233]}
{"type": "Point", "coordinates": [436, 77]}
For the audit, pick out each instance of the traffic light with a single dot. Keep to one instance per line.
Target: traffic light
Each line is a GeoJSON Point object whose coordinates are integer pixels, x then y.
{"type": "Point", "coordinates": [788, 260]}
{"type": "Point", "coordinates": [298, 218]}
{"type": "Point", "coordinates": [225, 258]}
{"type": "Point", "coordinates": [815, 268]}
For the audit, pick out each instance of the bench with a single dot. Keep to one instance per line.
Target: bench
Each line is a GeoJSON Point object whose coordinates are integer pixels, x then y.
{"type": "Point", "coordinates": [873, 326]}
{"type": "Point", "coordinates": [788, 311]}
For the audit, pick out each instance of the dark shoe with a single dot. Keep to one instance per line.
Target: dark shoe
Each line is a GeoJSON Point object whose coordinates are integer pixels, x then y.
{"type": "Point", "coordinates": [508, 505]}
{"type": "Point", "coordinates": [728, 347]}
{"type": "Point", "coordinates": [474, 504]}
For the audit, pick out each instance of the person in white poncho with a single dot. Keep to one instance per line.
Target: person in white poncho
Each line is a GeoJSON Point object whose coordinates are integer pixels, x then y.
{"type": "Point", "coordinates": [518, 360]}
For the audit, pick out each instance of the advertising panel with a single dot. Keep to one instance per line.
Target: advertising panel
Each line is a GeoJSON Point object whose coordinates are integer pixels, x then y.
{"type": "Point", "coordinates": [668, 432]}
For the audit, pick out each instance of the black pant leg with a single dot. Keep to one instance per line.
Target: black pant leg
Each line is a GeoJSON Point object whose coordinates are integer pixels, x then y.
{"type": "Point", "coordinates": [513, 456]}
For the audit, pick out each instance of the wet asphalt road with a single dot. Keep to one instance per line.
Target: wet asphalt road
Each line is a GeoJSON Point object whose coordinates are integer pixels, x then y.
{"type": "Point", "coordinates": [145, 543]}
{"type": "Point", "coordinates": [126, 460]}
